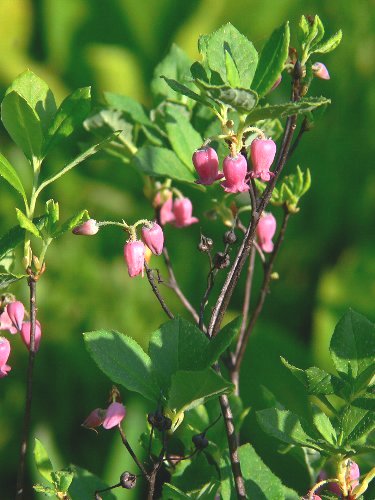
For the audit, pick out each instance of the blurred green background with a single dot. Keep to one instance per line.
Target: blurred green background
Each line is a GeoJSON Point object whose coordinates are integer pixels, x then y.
{"type": "Point", "coordinates": [326, 264]}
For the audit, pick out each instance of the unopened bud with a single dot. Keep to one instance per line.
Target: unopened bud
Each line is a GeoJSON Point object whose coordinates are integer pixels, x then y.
{"type": "Point", "coordinates": [229, 237]}
{"type": "Point", "coordinates": [26, 334]}
{"type": "Point", "coordinates": [88, 228]}
{"type": "Point", "coordinates": [221, 260]}
{"type": "Point", "coordinates": [128, 480]}
{"type": "Point", "coordinates": [321, 71]}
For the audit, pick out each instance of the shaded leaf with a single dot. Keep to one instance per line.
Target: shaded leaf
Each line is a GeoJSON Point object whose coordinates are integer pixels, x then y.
{"type": "Point", "coordinates": [8, 172]}
{"type": "Point", "coordinates": [7, 279]}
{"type": "Point", "coordinates": [43, 462]}
{"type": "Point", "coordinates": [85, 483]}
{"type": "Point", "coordinates": [129, 106]}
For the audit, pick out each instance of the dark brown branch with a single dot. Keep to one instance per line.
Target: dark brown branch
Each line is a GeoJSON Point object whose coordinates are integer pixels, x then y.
{"type": "Point", "coordinates": [131, 452]}
{"type": "Point", "coordinates": [155, 289]}
{"type": "Point", "coordinates": [305, 127]}
{"type": "Point", "coordinates": [243, 339]}
{"type": "Point", "coordinates": [29, 391]}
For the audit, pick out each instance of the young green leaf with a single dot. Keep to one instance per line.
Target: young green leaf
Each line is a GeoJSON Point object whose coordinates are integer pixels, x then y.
{"type": "Point", "coordinates": [16, 235]}
{"type": "Point", "coordinates": [324, 426]}
{"type": "Point", "coordinates": [27, 224]}
{"type": "Point", "coordinates": [129, 106]}
{"type": "Point", "coordinates": [182, 136]}
{"type": "Point", "coordinates": [241, 100]}
{"type": "Point", "coordinates": [22, 124]}
{"type": "Point", "coordinates": [62, 480]}
{"type": "Point", "coordinates": [223, 339]}
{"type": "Point", "coordinates": [233, 78]}
{"type": "Point", "coordinates": [184, 90]}
{"type": "Point", "coordinates": [37, 95]}
{"type": "Point", "coordinates": [42, 461]}
{"type": "Point", "coordinates": [70, 115]}
{"type": "Point", "coordinates": [272, 60]}
{"type": "Point", "coordinates": [73, 221]}
{"type": "Point", "coordinates": [329, 45]}
{"type": "Point", "coordinates": [53, 215]}
{"type": "Point", "coordinates": [8, 172]}
{"type": "Point", "coordinates": [123, 361]}
{"type": "Point", "coordinates": [46, 490]}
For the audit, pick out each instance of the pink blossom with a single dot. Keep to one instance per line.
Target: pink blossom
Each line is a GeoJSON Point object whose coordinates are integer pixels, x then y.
{"type": "Point", "coordinates": [166, 212]}
{"type": "Point", "coordinates": [88, 228]}
{"type": "Point", "coordinates": [235, 170]}
{"type": "Point", "coordinates": [95, 419]}
{"type": "Point", "coordinates": [134, 253]}
{"type": "Point", "coordinates": [206, 164]}
{"type": "Point", "coordinates": [182, 211]}
{"type": "Point", "coordinates": [263, 153]}
{"type": "Point", "coordinates": [16, 313]}
{"type": "Point", "coordinates": [114, 415]}
{"type": "Point", "coordinates": [26, 334]}
{"type": "Point", "coordinates": [4, 355]}
{"type": "Point", "coordinates": [354, 475]}
{"type": "Point", "coordinates": [154, 238]}
{"type": "Point", "coordinates": [6, 323]}
{"type": "Point", "coordinates": [320, 70]}
{"type": "Point", "coordinates": [266, 229]}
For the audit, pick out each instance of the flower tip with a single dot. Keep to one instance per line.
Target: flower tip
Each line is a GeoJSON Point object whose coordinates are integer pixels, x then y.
{"type": "Point", "coordinates": [115, 413]}
{"type": "Point", "coordinates": [88, 228]}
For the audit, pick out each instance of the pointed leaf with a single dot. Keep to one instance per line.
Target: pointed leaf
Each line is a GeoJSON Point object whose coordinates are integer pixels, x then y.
{"type": "Point", "coordinates": [8, 172]}
{"type": "Point", "coordinates": [123, 361]}
{"type": "Point", "coordinates": [233, 77]}
{"type": "Point", "coordinates": [324, 426]}
{"type": "Point", "coordinates": [27, 224]}
{"type": "Point", "coordinates": [182, 136]}
{"type": "Point", "coordinates": [16, 235]}
{"type": "Point", "coordinates": [42, 461]}
{"type": "Point", "coordinates": [223, 339]}
{"type": "Point", "coordinates": [358, 418]}
{"type": "Point", "coordinates": [129, 106]}
{"type": "Point", "coordinates": [7, 279]}
{"type": "Point", "coordinates": [329, 45]}
{"type": "Point", "coordinates": [184, 90]}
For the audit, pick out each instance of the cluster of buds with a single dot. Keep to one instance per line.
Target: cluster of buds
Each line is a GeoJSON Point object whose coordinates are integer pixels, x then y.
{"type": "Point", "coordinates": [108, 418]}
{"type": "Point", "coordinates": [134, 249]}
{"type": "Point", "coordinates": [12, 319]}
{"type": "Point", "coordinates": [178, 212]}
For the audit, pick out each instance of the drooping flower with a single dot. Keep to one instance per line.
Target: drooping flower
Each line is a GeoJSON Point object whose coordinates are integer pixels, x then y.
{"type": "Point", "coordinates": [114, 415]}
{"type": "Point", "coordinates": [320, 70]}
{"type": "Point", "coordinates": [26, 334]}
{"type": "Point", "coordinates": [95, 419]}
{"type": "Point", "coordinates": [166, 211]}
{"type": "Point", "coordinates": [182, 211]}
{"type": "Point", "coordinates": [263, 153]}
{"type": "Point", "coordinates": [6, 323]}
{"type": "Point", "coordinates": [235, 170]}
{"type": "Point", "coordinates": [4, 355]}
{"type": "Point", "coordinates": [266, 229]}
{"type": "Point", "coordinates": [134, 253]}
{"type": "Point", "coordinates": [154, 238]}
{"type": "Point", "coordinates": [88, 228]}
{"type": "Point", "coordinates": [16, 313]}
{"type": "Point", "coordinates": [206, 163]}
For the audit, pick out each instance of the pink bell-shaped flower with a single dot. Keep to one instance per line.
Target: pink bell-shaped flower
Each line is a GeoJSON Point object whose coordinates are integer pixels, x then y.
{"type": "Point", "coordinates": [88, 228]}
{"type": "Point", "coordinates": [206, 164]}
{"type": "Point", "coordinates": [4, 355]}
{"type": "Point", "coordinates": [26, 334]}
{"type": "Point", "coordinates": [6, 323]}
{"type": "Point", "coordinates": [235, 170]}
{"type": "Point", "coordinates": [95, 419]}
{"type": "Point", "coordinates": [166, 211]}
{"type": "Point", "coordinates": [321, 71]}
{"type": "Point", "coordinates": [182, 211]}
{"type": "Point", "coordinates": [16, 313]}
{"type": "Point", "coordinates": [134, 253]}
{"type": "Point", "coordinates": [114, 415]}
{"type": "Point", "coordinates": [154, 238]}
{"type": "Point", "coordinates": [263, 153]}
{"type": "Point", "coordinates": [266, 229]}
{"type": "Point", "coordinates": [354, 475]}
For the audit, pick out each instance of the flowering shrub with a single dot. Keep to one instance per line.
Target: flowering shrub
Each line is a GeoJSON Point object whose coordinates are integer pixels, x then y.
{"type": "Point", "coordinates": [207, 113]}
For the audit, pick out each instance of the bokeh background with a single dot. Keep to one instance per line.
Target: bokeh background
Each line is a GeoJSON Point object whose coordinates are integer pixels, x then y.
{"type": "Point", "coordinates": [326, 264]}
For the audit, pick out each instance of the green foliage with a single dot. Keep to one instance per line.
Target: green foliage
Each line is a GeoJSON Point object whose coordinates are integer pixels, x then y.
{"type": "Point", "coordinates": [311, 35]}
{"type": "Point", "coordinates": [301, 107]}
{"type": "Point", "coordinates": [8, 172]}
{"type": "Point", "coordinates": [42, 461]}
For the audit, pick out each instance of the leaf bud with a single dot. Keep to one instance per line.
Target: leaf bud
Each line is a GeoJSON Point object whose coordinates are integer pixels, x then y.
{"type": "Point", "coordinates": [128, 480]}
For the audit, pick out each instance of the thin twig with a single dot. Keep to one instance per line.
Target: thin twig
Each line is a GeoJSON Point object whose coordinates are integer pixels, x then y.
{"type": "Point", "coordinates": [29, 391]}
{"type": "Point", "coordinates": [242, 340]}
{"type": "Point", "coordinates": [305, 127]}
{"type": "Point", "coordinates": [155, 289]}
{"type": "Point", "coordinates": [131, 452]}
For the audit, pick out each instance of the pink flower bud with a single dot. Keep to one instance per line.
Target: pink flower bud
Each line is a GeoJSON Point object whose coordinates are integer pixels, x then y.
{"type": "Point", "coordinates": [166, 213]}
{"type": "Point", "coordinates": [206, 164]}
{"type": "Point", "coordinates": [320, 70]}
{"type": "Point", "coordinates": [4, 355]}
{"type": "Point", "coordinates": [354, 475]}
{"type": "Point", "coordinates": [16, 313]}
{"type": "Point", "coordinates": [88, 228]}
{"type": "Point", "coordinates": [277, 83]}
{"type": "Point", "coordinates": [134, 253]}
{"type": "Point", "coordinates": [114, 415]}
{"type": "Point", "coordinates": [95, 419]}
{"type": "Point", "coordinates": [182, 210]}
{"type": "Point", "coordinates": [154, 238]}
{"type": "Point", "coordinates": [26, 334]}
{"type": "Point", "coordinates": [6, 323]}
{"type": "Point", "coordinates": [263, 153]}
{"type": "Point", "coordinates": [235, 170]}
{"type": "Point", "coordinates": [266, 229]}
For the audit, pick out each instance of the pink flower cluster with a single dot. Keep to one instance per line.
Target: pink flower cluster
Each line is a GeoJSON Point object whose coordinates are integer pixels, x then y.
{"type": "Point", "coordinates": [206, 164]}
{"type": "Point", "coordinates": [12, 319]}
{"type": "Point", "coordinates": [178, 212]}
{"type": "Point", "coordinates": [108, 418]}
{"type": "Point", "coordinates": [134, 250]}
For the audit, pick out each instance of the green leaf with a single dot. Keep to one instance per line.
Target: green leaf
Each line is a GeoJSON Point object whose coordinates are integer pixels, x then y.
{"type": "Point", "coordinates": [129, 106]}
{"type": "Point", "coordinates": [8, 172]}
{"type": "Point", "coordinates": [37, 94]}
{"type": "Point", "coordinates": [287, 427]}
{"type": "Point", "coordinates": [62, 480]}
{"type": "Point", "coordinates": [70, 115]}
{"type": "Point", "coordinates": [42, 461]}
{"type": "Point", "coordinates": [46, 490]}
{"type": "Point", "coordinates": [324, 426]}
{"type": "Point", "coordinates": [233, 77]}
{"type": "Point", "coordinates": [123, 361]}
{"type": "Point", "coordinates": [223, 339]}
{"type": "Point", "coordinates": [352, 345]}
{"type": "Point", "coordinates": [73, 221]}
{"type": "Point", "coordinates": [16, 235]}
{"type": "Point", "coordinates": [358, 418]}
{"type": "Point", "coordinates": [170, 492]}
{"type": "Point", "coordinates": [85, 483]}
{"type": "Point", "coordinates": [286, 109]}
{"type": "Point", "coordinates": [53, 215]}
{"type": "Point", "coordinates": [304, 29]}
{"type": "Point", "coordinates": [316, 32]}
{"type": "Point", "coordinates": [176, 67]}
{"type": "Point", "coordinates": [228, 39]}
{"type": "Point", "coordinates": [7, 279]}
{"type": "Point", "coordinates": [272, 60]}
{"type": "Point", "coordinates": [260, 482]}
{"type": "Point", "coordinates": [22, 124]}
{"type": "Point", "coordinates": [184, 90]}
{"type": "Point", "coordinates": [161, 162]}
{"type": "Point", "coordinates": [27, 224]}
{"type": "Point", "coordinates": [241, 100]}
{"type": "Point", "coordinates": [329, 45]}
{"type": "Point", "coordinates": [182, 136]}
{"type": "Point", "coordinates": [190, 389]}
